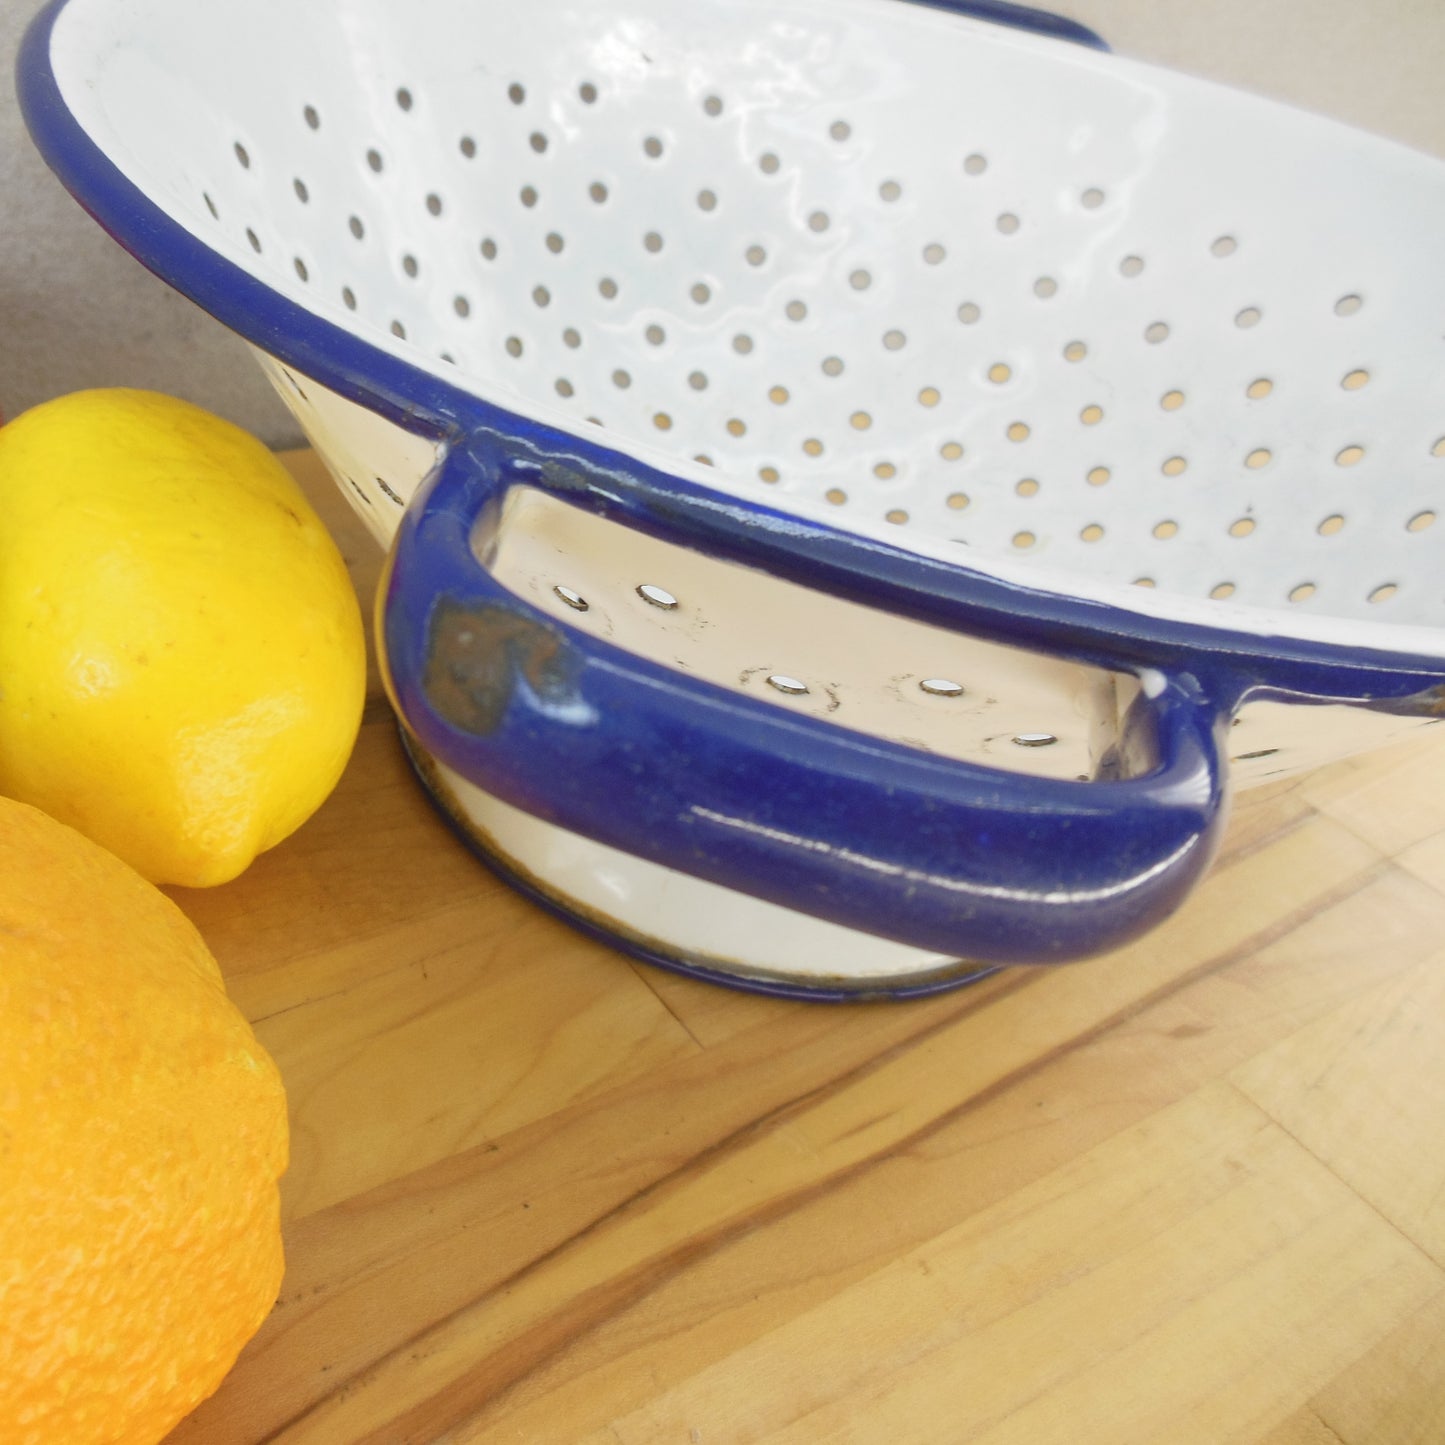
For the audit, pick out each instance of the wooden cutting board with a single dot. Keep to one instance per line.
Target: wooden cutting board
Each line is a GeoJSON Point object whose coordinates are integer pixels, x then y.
{"type": "Point", "coordinates": [1190, 1192]}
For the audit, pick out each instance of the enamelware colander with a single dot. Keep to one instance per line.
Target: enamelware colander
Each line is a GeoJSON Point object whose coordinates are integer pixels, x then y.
{"type": "Point", "coordinates": [864, 480]}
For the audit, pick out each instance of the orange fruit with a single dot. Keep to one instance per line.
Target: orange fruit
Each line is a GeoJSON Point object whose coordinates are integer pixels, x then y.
{"type": "Point", "coordinates": [142, 1132]}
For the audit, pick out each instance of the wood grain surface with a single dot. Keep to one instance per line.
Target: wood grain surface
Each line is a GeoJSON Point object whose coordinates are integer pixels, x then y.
{"type": "Point", "coordinates": [1189, 1193]}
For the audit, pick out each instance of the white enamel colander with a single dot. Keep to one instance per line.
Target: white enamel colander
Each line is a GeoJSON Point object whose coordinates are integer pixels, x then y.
{"type": "Point", "coordinates": [866, 479]}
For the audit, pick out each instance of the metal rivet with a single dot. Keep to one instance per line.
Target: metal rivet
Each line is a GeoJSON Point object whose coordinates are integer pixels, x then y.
{"type": "Point", "coordinates": [790, 685]}
{"type": "Point", "coordinates": [1035, 740]}
{"type": "Point", "coordinates": [657, 596]}
{"type": "Point", "coordinates": [574, 600]}
{"type": "Point", "coordinates": [941, 687]}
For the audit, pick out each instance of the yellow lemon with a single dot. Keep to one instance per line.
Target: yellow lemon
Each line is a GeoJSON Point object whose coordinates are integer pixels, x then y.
{"type": "Point", "coordinates": [182, 663]}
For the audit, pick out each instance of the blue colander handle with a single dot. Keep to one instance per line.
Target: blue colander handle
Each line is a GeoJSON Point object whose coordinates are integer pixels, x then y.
{"type": "Point", "coordinates": [949, 856]}
{"type": "Point", "coordinates": [1022, 17]}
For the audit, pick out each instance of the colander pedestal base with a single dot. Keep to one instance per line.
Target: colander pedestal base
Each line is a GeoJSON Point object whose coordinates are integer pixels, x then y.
{"type": "Point", "coordinates": [674, 921]}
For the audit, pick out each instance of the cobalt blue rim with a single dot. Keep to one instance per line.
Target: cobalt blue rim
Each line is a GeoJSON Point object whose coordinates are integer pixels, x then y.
{"type": "Point", "coordinates": [1231, 663]}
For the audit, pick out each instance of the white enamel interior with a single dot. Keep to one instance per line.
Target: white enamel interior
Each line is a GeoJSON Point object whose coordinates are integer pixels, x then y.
{"type": "Point", "coordinates": [996, 297]}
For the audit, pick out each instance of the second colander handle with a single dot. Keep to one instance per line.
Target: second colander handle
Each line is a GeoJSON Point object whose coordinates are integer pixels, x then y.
{"type": "Point", "coordinates": [945, 855]}
{"type": "Point", "coordinates": [1022, 17]}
